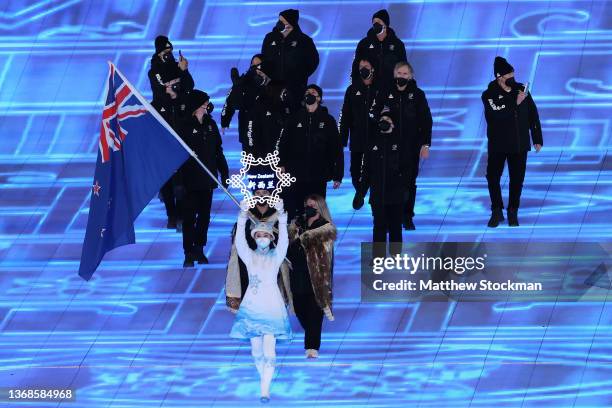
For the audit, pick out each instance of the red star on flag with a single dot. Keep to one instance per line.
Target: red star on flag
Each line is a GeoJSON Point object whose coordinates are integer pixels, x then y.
{"type": "Point", "coordinates": [96, 189]}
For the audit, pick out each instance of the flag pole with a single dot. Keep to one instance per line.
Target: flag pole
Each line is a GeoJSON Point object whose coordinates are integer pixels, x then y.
{"type": "Point", "coordinates": [156, 114]}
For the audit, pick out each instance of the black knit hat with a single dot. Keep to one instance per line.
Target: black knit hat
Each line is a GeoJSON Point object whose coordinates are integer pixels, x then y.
{"type": "Point", "coordinates": [316, 88]}
{"type": "Point", "coordinates": [383, 15]}
{"type": "Point", "coordinates": [501, 67]}
{"type": "Point", "coordinates": [291, 15]}
{"type": "Point", "coordinates": [196, 99]}
{"type": "Point", "coordinates": [162, 43]}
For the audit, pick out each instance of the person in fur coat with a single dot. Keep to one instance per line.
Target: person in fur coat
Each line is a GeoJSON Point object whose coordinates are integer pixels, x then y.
{"type": "Point", "coordinates": [311, 256]}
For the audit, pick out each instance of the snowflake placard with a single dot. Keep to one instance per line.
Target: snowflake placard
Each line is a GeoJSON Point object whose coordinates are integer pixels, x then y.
{"type": "Point", "coordinates": [248, 161]}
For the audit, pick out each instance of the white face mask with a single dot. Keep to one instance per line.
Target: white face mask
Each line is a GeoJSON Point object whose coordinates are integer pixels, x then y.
{"type": "Point", "coordinates": [263, 242]}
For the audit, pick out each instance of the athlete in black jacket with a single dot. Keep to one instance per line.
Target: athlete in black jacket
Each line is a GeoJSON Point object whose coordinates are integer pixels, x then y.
{"type": "Point", "coordinates": [163, 64]}
{"type": "Point", "coordinates": [355, 122]}
{"type": "Point", "coordinates": [511, 116]}
{"type": "Point", "coordinates": [381, 47]}
{"type": "Point", "coordinates": [291, 54]}
{"type": "Point", "coordinates": [407, 106]}
{"type": "Point", "coordinates": [200, 133]}
{"type": "Point", "coordinates": [311, 151]}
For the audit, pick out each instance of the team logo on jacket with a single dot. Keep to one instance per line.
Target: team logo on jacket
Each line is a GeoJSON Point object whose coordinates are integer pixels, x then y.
{"type": "Point", "coordinates": [375, 148]}
{"type": "Point", "coordinates": [299, 124]}
{"type": "Point", "coordinates": [358, 93]}
{"type": "Point", "coordinates": [371, 46]}
{"type": "Point", "coordinates": [162, 109]}
{"type": "Point", "coordinates": [194, 131]}
{"type": "Point", "coordinates": [183, 107]}
{"type": "Point", "coordinates": [293, 43]}
{"type": "Point", "coordinates": [500, 97]}
{"type": "Point", "coordinates": [268, 113]}
{"type": "Point", "coordinates": [391, 47]}
{"type": "Point", "coordinates": [321, 125]}
{"type": "Point", "coordinates": [390, 96]}
{"type": "Point", "coordinates": [394, 147]}
{"type": "Point", "coordinates": [273, 43]}
{"type": "Point", "coordinates": [411, 96]}
{"type": "Point", "coordinates": [209, 128]}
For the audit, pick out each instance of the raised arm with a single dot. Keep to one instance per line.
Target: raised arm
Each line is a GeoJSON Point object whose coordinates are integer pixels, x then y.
{"type": "Point", "coordinates": [242, 247]}
{"type": "Point", "coordinates": [283, 238]}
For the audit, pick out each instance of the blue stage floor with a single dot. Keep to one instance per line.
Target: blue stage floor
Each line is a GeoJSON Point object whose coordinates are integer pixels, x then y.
{"type": "Point", "coordinates": [144, 332]}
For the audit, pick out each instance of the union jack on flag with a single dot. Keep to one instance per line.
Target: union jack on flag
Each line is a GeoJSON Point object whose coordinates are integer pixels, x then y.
{"type": "Point", "coordinates": [121, 104]}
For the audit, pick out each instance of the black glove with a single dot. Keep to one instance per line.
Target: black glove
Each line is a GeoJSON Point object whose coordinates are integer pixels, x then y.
{"type": "Point", "coordinates": [234, 75]}
{"type": "Point", "coordinates": [224, 182]}
{"type": "Point", "coordinates": [357, 201]}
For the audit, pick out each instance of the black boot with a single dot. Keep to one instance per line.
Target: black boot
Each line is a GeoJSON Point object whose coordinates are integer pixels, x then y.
{"type": "Point", "coordinates": [188, 262]}
{"type": "Point", "coordinates": [409, 225]}
{"type": "Point", "coordinates": [497, 216]}
{"type": "Point", "coordinates": [513, 217]}
{"type": "Point", "coordinates": [199, 256]}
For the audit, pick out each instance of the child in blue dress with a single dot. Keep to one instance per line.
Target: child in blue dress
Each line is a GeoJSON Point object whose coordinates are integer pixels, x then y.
{"type": "Point", "coordinates": [262, 317]}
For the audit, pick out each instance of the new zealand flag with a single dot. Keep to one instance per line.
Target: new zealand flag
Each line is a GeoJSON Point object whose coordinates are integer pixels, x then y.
{"type": "Point", "coordinates": [138, 152]}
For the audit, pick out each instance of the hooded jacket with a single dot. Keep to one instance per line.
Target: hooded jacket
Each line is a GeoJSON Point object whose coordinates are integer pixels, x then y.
{"type": "Point", "coordinates": [204, 139]}
{"type": "Point", "coordinates": [310, 147]}
{"type": "Point", "coordinates": [291, 59]}
{"type": "Point", "coordinates": [382, 54]}
{"type": "Point", "coordinates": [355, 122]}
{"type": "Point", "coordinates": [509, 125]}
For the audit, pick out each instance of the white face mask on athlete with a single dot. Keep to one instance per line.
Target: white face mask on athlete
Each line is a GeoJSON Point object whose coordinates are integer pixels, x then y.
{"type": "Point", "coordinates": [263, 242]}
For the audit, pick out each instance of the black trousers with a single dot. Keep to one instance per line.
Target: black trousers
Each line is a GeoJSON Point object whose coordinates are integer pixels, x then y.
{"type": "Point", "coordinates": [196, 218]}
{"type": "Point", "coordinates": [413, 172]}
{"type": "Point", "coordinates": [356, 164]}
{"type": "Point", "coordinates": [294, 200]}
{"type": "Point", "coordinates": [310, 316]}
{"type": "Point", "coordinates": [387, 224]}
{"type": "Point", "coordinates": [167, 192]}
{"type": "Point", "coordinates": [517, 163]}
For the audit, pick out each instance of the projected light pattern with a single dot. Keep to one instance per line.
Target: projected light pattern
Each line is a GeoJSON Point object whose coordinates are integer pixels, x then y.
{"type": "Point", "coordinates": [145, 332]}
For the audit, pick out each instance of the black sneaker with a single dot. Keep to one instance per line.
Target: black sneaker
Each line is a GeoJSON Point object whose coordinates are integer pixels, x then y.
{"type": "Point", "coordinates": [513, 218]}
{"type": "Point", "coordinates": [171, 224]}
{"type": "Point", "coordinates": [409, 225]}
{"type": "Point", "coordinates": [188, 262]}
{"type": "Point", "coordinates": [497, 216]}
{"type": "Point", "coordinates": [199, 256]}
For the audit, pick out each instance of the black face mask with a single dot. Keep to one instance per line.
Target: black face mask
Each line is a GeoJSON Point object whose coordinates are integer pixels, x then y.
{"type": "Point", "coordinates": [511, 82]}
{"type": "Point", "coordinates": [280, 27]}
{"type": "Point", "coordinates": [378, 28]}
{"type": "Point", "coordinates": [258, 80]}
{"type": "Point", "coordinates": [401, 82]}
{"type": "Point", "coordinates": [310, 212]}
{"type": "Point", "coordinates": [310, 99]}
{"type": "Point", "coordinates": [365, 73]}
{"type": "Point", "coordinates": [176, 88]}
{"type": "Point", "coordinates": [210, 107]}
{"type": "Point", "coordinates": [168, 57]}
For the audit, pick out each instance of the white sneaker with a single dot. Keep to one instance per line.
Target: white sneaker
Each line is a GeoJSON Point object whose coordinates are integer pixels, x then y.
{"type": "Point", "coordinates": [312, 353]}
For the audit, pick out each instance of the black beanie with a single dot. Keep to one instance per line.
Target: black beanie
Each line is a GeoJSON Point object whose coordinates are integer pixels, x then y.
{"type": "Point", "coordinates": [501, 67]}
{"type": "Point", "coordinates": [316, 88]}
{"type": "Point", "coordinates": [383, 15]}
{"type": "Point", "coordinates": [196, 99]}
{"type": "Point", "coordinates": [162, 43]}
{"type": "Point", "coordinates": [291, 15]}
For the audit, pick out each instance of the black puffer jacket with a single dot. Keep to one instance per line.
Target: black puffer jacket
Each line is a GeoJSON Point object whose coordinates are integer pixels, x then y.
{"type": "Point", "coordinates": [355, 122]}
{"type": "Point", "coordinates": [204, 139]}
{"type": "Point", "coordinates": [383, 54]}
{"type": "Point", "coordinates": [291, 59]}
{"type": "Point", "coordinates": [310, 147]}
{"type": "Point", "coordinates": [410, 113]}
{"type": "Point", "coordinates": [159, 70]}
{"type": "Point", "coordinates": [509, 124]}
{"type": "Point", "coordinates": [384, 169]}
